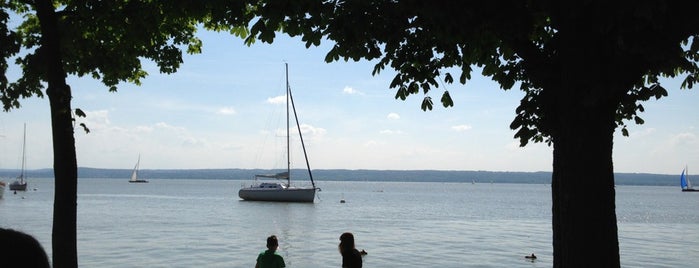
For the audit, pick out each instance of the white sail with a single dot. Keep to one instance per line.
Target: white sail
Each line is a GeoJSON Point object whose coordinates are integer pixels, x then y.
{"type": "Point", "coordinates": [134, 173]}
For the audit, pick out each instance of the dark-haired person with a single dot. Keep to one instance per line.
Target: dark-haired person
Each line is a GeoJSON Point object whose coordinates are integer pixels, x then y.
{"type": "Point", "coordinates": [21, 250]}
{"type": "Point", "coordinates": [351, 257]}
{"type": "Point", "coordinates": [269, 258]}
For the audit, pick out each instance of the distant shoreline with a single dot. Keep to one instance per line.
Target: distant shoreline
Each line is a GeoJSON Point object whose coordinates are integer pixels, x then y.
{"type": "Point", "coordinates": [541, 177]}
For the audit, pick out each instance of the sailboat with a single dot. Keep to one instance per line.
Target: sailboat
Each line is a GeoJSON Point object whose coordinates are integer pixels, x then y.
{"type": "Point", "coordinates": [20, 184]}
{"type": "Point", "coordinates": [685, 183]}
{"type": "Point", "coordinates": [280, 189]}
{"type": "Point", "coordinates": [134, 173]}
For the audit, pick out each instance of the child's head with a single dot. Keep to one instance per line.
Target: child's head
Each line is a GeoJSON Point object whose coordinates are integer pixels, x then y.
{"type": "Point", "coordinates": [272, 242]}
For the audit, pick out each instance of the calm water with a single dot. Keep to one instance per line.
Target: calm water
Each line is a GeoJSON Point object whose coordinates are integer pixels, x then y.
{"type": "Point", "coordinates": [202, 223]}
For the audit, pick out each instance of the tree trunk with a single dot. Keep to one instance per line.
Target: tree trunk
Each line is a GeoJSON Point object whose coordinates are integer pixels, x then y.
{"type": "Point", "coordinates": [582, 115]}
{"type": "Point", "coordinates": [64, 244]}
{"type": "Point", "coordinates": [584, 217]}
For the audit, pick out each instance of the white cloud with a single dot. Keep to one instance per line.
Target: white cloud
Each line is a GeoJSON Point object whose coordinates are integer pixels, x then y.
{"type": "Point", "coordinates": [146, 129]}
{"type": "Point", "coordinates": [351, 91]}
{"type": "Point", "coordinates": [314, 132]}
{"type": "Point", "coordinates": [95, 120]}
{"type": "Point", "coordinates": [163, 125]}
{"type": "Point", "coordinates": [684, 139]}
{"type": "Point", "coordinates": [226, 111]}
{"type": "Point", "coordinates": [390, 132]}
{"type": "Point", "coordinates": [308, 131]}
{"type": "Point", "coordinates": [393, 116]}
{"type": "Point", "coordinates": [277, 100]}
{"type": "Point", "coordinates": [373, 143]}
{"type": "Point", "coordinates": [461, 128]}
{"type": "Point", "coordinates": [192, 141]}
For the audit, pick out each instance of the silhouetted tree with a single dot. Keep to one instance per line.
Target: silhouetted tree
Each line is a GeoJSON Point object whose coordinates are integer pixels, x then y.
{"type": "Point", "coordinates": [585, 67]}
{"type": "Point", "coordinates": [103, 39]}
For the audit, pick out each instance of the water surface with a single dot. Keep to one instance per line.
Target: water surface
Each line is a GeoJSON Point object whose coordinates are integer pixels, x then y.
{"type": "Point", "coordinates": [202, 223]}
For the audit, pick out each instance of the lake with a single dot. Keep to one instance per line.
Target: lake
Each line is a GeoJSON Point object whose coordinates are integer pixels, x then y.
{"type": "Point", "coordinates": [203, 223]}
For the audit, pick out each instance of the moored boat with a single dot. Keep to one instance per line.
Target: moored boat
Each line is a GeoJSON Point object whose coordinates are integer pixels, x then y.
{"type": "Point", "coordinates": [279, 188]}
{"type": "Point", "coordinates": [20, 183]}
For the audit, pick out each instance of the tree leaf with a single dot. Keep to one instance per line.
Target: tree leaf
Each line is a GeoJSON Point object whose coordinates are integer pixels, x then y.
{"type": "Point", "coordinates": [79, 113]}
{"type": "Point", "coordinates": [427, 103]}
{"type": "Point", "coordinates": [446, 100]}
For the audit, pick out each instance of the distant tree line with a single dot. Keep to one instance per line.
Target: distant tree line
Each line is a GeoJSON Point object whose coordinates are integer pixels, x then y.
{"type": "Point", "coordinates": [466, 176]}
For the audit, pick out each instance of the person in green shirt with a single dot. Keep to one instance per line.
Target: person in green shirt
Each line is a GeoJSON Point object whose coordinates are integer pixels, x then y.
{"type": "Point", "coordinates": [269, 258]}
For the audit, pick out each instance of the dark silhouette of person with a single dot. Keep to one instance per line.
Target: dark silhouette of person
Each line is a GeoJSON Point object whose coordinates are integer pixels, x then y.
{"type": "Point", "coordinates": [18, 249]}
{"type": "Point", "coordinates": [351, 257]}
{"type": "Point", "coordinates": [269, 258]}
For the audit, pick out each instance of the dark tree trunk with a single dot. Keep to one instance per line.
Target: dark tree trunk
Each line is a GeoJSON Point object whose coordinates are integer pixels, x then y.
{"type": "Point", "coordinates": [64, 244]}
{"type": "Point", "coordinates": [584, 217]}
{"type": "Point", "coordinates": [582, 115]}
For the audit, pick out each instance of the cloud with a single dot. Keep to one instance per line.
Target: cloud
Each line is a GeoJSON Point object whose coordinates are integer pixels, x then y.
{"type": "Point", "coordinates": [373, 143]}
{"type": "Point", "coordinates": [313, 131]}
{"type": "Point", "coordinates": [351, 91]}
{"type": "Point", "coordinates": [277, 100]}
{"type": "Point", "coordinates": [684, 139]}
{"type": "Point", "coordinates": [226, 111]}
{"type": "Point", "coordinates": [390, 132]}
{"type": "Point", "coordinates": [143, 129]}
{"type": "Point", "coordinates": [308, 131]}
{"type": "Point", "coordinates": [95, 120]}
{"type": "Point", "coordinates": [461, 128]}
{"type": "Point", "coordinates": [393, 116]}
{"type": "Point", "coordinates": [194, 142]}
{"type": "Point", "coordinates": [163, 125]}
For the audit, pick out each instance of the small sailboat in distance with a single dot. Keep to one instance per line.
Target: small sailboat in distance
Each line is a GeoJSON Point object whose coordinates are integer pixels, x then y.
{"type": "Point", "coordinates": [685, 183]}
{"type": "Point", "coordinates": [134, 173]}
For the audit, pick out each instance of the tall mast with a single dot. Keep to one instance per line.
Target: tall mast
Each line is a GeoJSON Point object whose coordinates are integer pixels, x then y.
{"type": "Point", "coordinates": [24, 157]}
{"type": "Point", "coordinates": [288, 151]}
{"type": "Point", "coordinates": [298, 126]}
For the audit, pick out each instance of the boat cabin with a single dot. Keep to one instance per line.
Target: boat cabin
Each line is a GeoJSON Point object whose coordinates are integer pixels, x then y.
{"type": "Point", "coordinates": [271, 185]}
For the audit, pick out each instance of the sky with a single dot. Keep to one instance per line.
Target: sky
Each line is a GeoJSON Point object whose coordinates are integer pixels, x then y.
{"type": "Point", "coordinates": [223, 107]}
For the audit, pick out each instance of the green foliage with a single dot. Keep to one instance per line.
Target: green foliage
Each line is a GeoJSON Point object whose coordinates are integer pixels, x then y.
{"type": "Point", "coordinates": [108, 40]}
{"type": "Point", "coordinates": [514, 43]}
{"type": "Point", "coordinates": [9, 46]}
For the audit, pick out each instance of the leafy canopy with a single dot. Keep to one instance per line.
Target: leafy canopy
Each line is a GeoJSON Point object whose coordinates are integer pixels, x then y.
{"type": "Point", "coordinates": [107, 40]}
{"type": "Point", "coordinates": [512, 42]}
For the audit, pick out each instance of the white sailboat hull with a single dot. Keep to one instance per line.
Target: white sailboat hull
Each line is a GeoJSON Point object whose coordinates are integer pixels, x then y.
{"type": "Point", "coordinates": [289, 194]}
